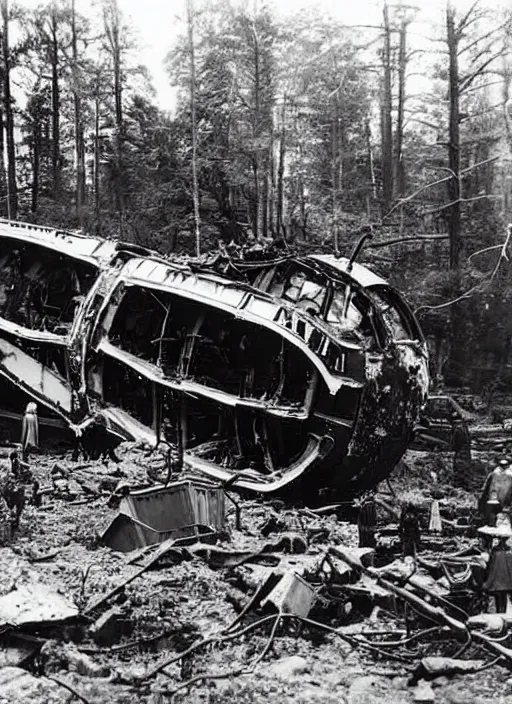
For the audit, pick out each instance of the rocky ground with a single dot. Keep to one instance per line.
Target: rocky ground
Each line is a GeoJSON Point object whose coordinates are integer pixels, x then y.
{"type": "Point", "coordinates": [109, 654]}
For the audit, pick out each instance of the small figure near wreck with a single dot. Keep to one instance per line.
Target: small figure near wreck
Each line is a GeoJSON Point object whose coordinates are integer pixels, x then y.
{"type": "Point", "coordinates": [409, 530]}
{"type": "Point", "coordinates": [12, 494]}
{"type": "Point", "coordinates": [30, 430]}
{"type": "Point", "coordinates": [367, 521]}
{"type": "Point", "coordinates": [5, 523]}
{"type": "Point", "coordinates": [461, 446]}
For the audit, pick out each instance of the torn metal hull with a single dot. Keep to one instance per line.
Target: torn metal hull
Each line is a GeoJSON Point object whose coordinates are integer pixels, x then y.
{"type": "Point", "coordinates": [304, 371]}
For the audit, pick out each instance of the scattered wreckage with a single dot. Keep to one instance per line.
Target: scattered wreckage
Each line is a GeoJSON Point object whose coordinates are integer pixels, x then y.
{"type": "Point", "coordinates": [268, 375]}
{"type": "Point", "coordinates": [435, 427]}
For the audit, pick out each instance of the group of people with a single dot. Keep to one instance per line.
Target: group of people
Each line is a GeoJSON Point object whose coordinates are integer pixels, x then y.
{"type": "Point", "coordinates": [494, 505]}
{"type": "Point", "coordinates": [495, 509]}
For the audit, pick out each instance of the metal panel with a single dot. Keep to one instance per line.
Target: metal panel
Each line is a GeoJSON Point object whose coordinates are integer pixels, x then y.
{"type": "Point", "coordinates": [34, 378]}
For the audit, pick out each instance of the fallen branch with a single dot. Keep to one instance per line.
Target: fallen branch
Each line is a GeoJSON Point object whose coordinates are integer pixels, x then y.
{"type": "Point", "coordinates": [46, 557]}
{"type": "Point", "coordinates": [217, 638]}
{"type": "Point", "coordinates": [351, 640]}
{"type": "Point", "coordinates": [164, 548]}
{"type": "Point", "coordinates": [433, 613]}
{"type": "Point", "coordinates": [278, 618]}
{"type": "Point", "coordinates": [127, 646]}
{"type": "Point", "coordinates": [270, 641]}
{"type": "Point", "coordinates": [69, 688]}
{"type": "Point", "coordinates": [203, 678]}
{"type": "Point", "coordinates": [403, 641]}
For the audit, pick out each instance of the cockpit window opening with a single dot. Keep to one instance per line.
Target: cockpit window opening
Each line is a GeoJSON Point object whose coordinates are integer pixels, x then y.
{"type": "Point", "coordinates": [396, 314]}
{"type": "Point", "coordinates": [298, 285]}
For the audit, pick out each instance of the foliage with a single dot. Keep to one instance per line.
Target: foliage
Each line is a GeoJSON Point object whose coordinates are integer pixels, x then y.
{"type": "Point", "coordinates": [292, 131]}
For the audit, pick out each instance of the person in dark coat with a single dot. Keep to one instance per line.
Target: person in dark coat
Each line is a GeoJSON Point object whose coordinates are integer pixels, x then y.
{"type": "Point", "coordinates": [461, 447]}
{"type": "Point", "coordinates": [367, 521]}
{"type": "Point", "coordinates": [409, 530]}
{"type": "Point", "coordinates": [499, 575]}
{"type": "Point", "coordinates": [496, 492]}
{"type": "Point", "coordinates": [13, 493]}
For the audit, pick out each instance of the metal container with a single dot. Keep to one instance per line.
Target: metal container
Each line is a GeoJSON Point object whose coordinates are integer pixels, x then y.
{"type": "Point", "coordinates": [291, 595]}
{"type": "Point", "coordinates": [184, 509]}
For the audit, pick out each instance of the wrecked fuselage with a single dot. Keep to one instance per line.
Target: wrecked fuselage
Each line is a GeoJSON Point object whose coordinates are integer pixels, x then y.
{"type": "Point", "coordinates": [300, 371]}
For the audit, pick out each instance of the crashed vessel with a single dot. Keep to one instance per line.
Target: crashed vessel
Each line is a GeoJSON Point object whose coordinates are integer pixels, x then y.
{"type": "Point", "coordinates": [283, 374]}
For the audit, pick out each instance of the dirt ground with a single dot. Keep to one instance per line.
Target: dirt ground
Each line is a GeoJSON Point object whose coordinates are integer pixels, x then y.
{"type": "Point", "coordinates": [57, 547]}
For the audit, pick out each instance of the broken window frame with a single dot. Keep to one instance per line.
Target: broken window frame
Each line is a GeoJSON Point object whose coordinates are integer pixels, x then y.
{"type": "Point", "coordinates": [49, 261]}
{"type": "Point", "coordinates": [386, 297]}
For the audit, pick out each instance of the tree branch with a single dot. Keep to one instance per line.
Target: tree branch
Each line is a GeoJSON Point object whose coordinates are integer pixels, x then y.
{"type": "Point", "coordinates": [417, 238]}
{"type": "Point", "coordinates": [460, 200]}
{"type": "Point", "coordinates": [465, 21]}
{"type": "Point", "coordinates": [413, 195]}
{"type": "Point", "coordinates": [486, 249]}
{"type": "Point", "coordinates": [482, 38]}
{"type": "Point", "coordinates": [503, 256]}
{"type": "Point", "coordinates": [466, 82]}
{"type": "Point", "coordinates": [449, 303]}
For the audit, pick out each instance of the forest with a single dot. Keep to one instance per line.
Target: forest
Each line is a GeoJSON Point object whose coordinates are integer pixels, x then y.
{"type": "Point", "coordinates": [296, 128]}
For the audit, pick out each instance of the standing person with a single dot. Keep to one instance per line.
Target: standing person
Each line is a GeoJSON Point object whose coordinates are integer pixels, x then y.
{"type": "Point", "coordinates": [367, 521]}
{"type": "Point", "coordinates": [12, 492]}
{"type": "Point", "coordinates": [499, 575]}
{"type": "Point", "coordinates": [30, 430]}
{"type": "Point", "coordinates": [409, 530]}
{"type": "Point", "coordinates": [461, 446]}
{"type": "Point", "coordinates": [496, 492]}
{"type": "Point", "coordinates": [5, 523]}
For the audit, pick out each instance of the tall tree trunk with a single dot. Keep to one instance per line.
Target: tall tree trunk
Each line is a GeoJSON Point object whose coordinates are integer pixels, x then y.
{"type": "Point", "coordinates": [112, 20]}
{"type": "Point", "coordinates": [195, 186]}
{"type": "Point", "coordinates": [257, 228]}
{"type": "Point", "coordinates": [271, 189]}
{"type": "Point", "coordinates": [458, 337]}
{"type": "Point", "coordinates": [97, 213]}
{"type": "Point", "coordinates": [12, 194]}
{"type": "Point", "coordinates": [3, 179]}
{"type": "Point", "coordinates": [264, 202]}
{"type": "Point", "coordinates": [280, 173]}
{"type": "Point", "coordinates": [340, 147]}
{"type": "Point", "coordinates": [399, 174]}
{"type": "Point", "coordinates": [454, 222]}
{"type": "Point", "coordinates": [372, 188]}
{"type": "Point", "coordinates": [334, 194]}
{"type": "Point", "coordinates": [386, 116]}
{"type": "Point", "coordinates": [79, 131]}
{"type": "Point", "coordinates": [54, 60]}
{"type": "Point", "coordinates": [36, 152]}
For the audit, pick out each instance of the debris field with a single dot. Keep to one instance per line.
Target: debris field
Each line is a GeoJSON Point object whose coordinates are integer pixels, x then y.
{"type": "Point", "coordinates": [275, 601]}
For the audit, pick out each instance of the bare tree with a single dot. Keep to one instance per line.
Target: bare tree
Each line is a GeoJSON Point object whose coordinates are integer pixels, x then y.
{"type": "Point", "coordinates": [54, 63]}
{"type": "Point", "coordinates": [78, 122]}
{"type": "Point", "coordinates": [398, 166]}
{"type": "Point", "coordinates": [113, 31]}
{"type": "Point", "coordinates": [12, 196]}
{"type": "Point", "coordinates": [454, 221]}
{"type": "Point", "coordinates": [195, 187]}
{"type": "Point", "coordinates": [386, 114]}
